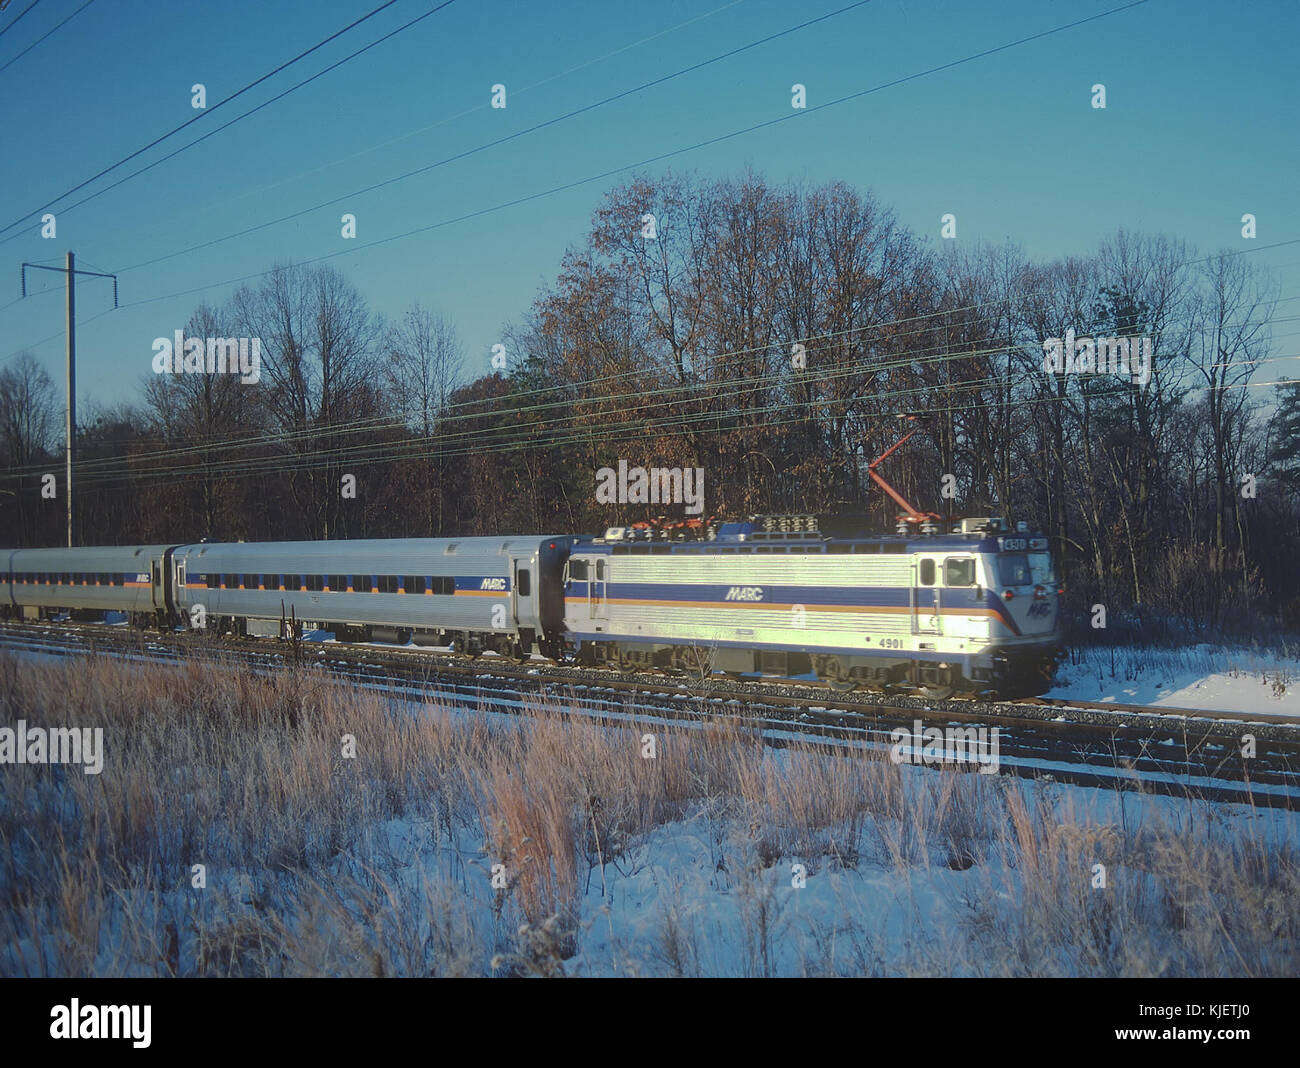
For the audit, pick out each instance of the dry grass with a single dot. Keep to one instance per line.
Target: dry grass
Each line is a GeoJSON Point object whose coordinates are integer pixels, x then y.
{"type": "Point", "coordinates": [383, 864]}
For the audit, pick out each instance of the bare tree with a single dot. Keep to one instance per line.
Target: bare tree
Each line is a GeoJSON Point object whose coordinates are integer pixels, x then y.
{"type": "Point", "coordinates": [1231, 335]}
{"type": "Point", "coordinates": [209, 418]}
{"type": "Point", "coordinates": [29, 418]}
{"type": "Point", "coordinates": [319, 344]}
{"type": "Point", "coordinates": [423, 360]}
{"type": "Point", "coordinates": [29, 411]}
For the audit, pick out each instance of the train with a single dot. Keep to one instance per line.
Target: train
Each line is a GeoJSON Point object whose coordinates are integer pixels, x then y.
{"type": "Point", "coordinates": [973, 607]}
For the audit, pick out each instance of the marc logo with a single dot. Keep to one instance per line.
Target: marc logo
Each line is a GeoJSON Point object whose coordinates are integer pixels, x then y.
{"type": "Point", "coordinates": [493, 584]}
{"type": "Point", "coordinates": [744, 593]}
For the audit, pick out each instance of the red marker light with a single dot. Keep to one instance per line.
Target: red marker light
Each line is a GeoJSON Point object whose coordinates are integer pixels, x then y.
{"type": "Point", "coordinates": [1008, 595]}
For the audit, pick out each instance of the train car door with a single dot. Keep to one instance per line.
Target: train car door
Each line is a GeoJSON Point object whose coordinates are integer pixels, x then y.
{"type": "Point", "coordinates": [523, 590]}
{"type": "Point", "coordinates": [156, 591]}
{"type": "Point", "coordinates": [927, 604]}
{"type": "Point", "coordinates": [597, 602]}
{"type": "Point", "coordinates": [161, 585]}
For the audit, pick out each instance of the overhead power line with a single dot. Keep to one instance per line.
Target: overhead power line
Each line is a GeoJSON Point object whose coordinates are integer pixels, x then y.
{"type": "Point", "coordinates": [659, 158]}
{"type": "Point", "coordinates": [46, 34]}
{"type": "Point", "coordinates": [496, 142]}
{"type": "Point", "coordinates": [19, 17]}
{"type": "Point", "coordinates": [474, 413]}
{"type": "Point", "coordinates": [654, 159]}
{"type": "Point", "coordinates": [568, 393]}
{"type": "Point", "coordinates": [225, 100]}
{"type": "Point", "coordinates": [945, 311]}
{"type": "Point", "coordinates": [528, 198]}
{"type": "Point", "coordinates": [445, 120]}
{"type": "Point", "coordinates": [677, 425]}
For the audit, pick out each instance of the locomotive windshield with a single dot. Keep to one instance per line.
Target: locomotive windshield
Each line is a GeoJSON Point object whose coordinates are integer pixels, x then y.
{"type": "Point", "coordinates": [1024, 569]}
{"type": "Point", "coordinates": [1013, 569]}
{"type": "Point", "coordinates": [1041, 565]}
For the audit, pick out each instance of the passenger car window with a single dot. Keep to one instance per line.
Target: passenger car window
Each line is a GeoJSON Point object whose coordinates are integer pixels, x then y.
{"type": "Point", "coordinates": [522, 582]}
{"type": "Point", "coordinates": [959, 571]}
{"type": "Point", "coordinates": [927, 572]}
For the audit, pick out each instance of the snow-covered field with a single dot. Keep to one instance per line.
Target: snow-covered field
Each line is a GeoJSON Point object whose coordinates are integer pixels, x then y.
{"type": "Point", "coordinates": [1201, 676]}
{"type": "Point", "coordinates": [341, 832]}
{"type": "Point", "coordinates": [697, 897]}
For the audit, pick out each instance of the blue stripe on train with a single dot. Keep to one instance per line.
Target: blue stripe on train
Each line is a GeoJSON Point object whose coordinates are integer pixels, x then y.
{"type": "Point", "coordinates": [863, 597]}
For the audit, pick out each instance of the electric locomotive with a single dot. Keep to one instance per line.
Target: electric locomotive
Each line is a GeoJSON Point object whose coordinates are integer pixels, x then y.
{"type": "Point", "coordinates": [974, 609]}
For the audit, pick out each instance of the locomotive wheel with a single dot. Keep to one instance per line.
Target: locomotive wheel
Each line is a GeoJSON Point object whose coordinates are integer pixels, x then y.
{"type": "Point", "coordinates": [626, 663]}
{"type": "Point", "coordinates": [831, 670]}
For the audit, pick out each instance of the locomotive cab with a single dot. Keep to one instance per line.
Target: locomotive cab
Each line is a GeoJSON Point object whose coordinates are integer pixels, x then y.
{"type": "Point", "coordinates": [1025, 622]}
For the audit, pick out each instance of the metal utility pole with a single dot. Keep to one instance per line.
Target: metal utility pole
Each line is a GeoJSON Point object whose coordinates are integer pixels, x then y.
{"type": "Point", "coordinates": [71, 272]}
{"type": "Point", "coordinates": [71, 268]}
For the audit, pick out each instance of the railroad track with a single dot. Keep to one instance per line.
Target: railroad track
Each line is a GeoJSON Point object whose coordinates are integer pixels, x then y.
{"type": "Point", "coordinates": [1158, 711]}
{"type": "Point", "coordinates": [1162, 750]}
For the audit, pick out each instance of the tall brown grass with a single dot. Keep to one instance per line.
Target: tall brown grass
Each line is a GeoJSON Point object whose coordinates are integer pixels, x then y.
{"type": "Point", "coordinates": [321, 864]}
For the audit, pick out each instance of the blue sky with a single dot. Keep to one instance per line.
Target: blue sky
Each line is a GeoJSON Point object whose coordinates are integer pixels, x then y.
{"type": "Point", "coordinates": [1200, 127]}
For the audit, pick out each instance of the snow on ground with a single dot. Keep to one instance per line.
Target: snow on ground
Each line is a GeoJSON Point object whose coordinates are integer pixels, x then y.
{"type": "Point", "coordinates": [1202, 676]}
{"type": "Point", "coordinates": [694, 896]}
{"type": "Point", "coordinates": [699, 894]}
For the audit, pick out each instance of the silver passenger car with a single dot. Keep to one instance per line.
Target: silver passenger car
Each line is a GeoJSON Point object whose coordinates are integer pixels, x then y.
{"type": "Point", "coordinates": [483, 592]}
{"type": "Point", "coordinates": [105, 578]}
